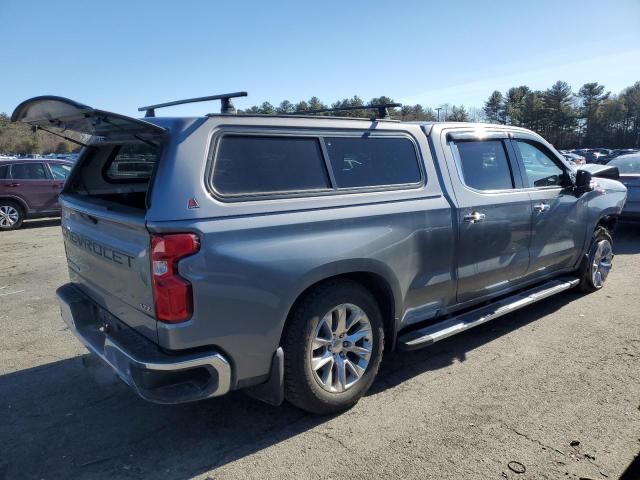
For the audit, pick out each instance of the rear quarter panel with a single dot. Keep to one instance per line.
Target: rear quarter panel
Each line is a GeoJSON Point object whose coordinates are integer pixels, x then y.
{"type": "Point", "coordinates": [257, 257]}
{"type": "Point", "coordinates": [251, 270]}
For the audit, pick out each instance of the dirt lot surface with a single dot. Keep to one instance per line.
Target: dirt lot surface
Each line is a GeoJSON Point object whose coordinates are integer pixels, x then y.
{"type": "Point", "coordinates": [525, 388]}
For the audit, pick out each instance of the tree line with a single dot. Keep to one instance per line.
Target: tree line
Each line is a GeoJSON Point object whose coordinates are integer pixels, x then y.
{"type": "Point", "coordinates": [18, 138]}
{"type": "Point", "coordinates": [448, 112]}
{"type": "Point", "coordinates": [590, 117]}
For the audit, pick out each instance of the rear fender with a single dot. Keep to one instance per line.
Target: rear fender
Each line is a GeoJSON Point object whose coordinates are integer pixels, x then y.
{"type": "Point", "coordinates": [354, 266]}
{"type": "Point", "coordinates": [17, 200]}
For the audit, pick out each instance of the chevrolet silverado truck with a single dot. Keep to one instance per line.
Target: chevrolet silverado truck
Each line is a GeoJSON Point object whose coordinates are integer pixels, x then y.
{"type": "Point", "coordinates": [281, 254]}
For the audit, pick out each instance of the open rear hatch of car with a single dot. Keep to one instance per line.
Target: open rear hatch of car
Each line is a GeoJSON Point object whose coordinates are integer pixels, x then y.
{"type": "Point", "coordinates": [58, 112]}
{"type": "Point", "coordinates": [104, 203]}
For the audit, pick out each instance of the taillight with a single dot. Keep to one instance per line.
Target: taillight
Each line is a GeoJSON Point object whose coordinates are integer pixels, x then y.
{"type": "Point", "coordinates": [172, 294]}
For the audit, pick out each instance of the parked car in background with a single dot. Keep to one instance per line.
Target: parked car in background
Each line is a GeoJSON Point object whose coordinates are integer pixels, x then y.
{"type": "Point", "coordinates": [29, 188]}
{"type": "Point", "coordinates": [574, 158]}
{"type": "Point", "coordinates": [629, 168]}
{"type": "Point", "coordinates": [621, 151]}
{"type": "Point", "coordinates": [591, 156]}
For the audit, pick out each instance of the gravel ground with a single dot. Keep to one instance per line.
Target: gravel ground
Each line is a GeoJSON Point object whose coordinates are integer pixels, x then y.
{"type": "Point", "coordinates": [525, 388]}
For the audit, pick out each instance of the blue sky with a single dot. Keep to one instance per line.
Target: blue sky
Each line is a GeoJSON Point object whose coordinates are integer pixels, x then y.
{"type": "Point", "coordinates": [118, 55]}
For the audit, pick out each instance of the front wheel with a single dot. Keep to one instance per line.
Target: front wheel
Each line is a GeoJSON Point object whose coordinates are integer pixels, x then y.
{"type": "Point", "coordinates": [332, 347]}
{"type": "Point", "coordinates": [598, 263]}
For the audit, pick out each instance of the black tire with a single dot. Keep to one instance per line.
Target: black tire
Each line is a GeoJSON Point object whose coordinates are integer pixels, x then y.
{"type": "Point", "coordinates": [12, 206]}
{"type": "Point", "coordinates": [302, 389]}
{"type": "Point", "coordinates": [587, 283]}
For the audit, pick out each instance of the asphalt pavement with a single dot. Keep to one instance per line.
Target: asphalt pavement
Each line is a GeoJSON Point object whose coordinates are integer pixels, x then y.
{"type": "Point", "coordinates": [549, 392]}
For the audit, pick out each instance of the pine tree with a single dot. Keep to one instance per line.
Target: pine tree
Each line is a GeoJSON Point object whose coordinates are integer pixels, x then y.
{"type": "Point", "coordinates": [494, 108]}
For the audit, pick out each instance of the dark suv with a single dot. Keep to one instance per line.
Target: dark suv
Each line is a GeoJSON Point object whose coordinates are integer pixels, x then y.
{"type": "Point", "coordinates": [29, 188]}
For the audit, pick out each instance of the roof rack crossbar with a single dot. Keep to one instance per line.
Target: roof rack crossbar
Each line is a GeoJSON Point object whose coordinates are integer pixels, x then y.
{"type": "Point", "coordinates": [382, 113]}
{"type": "Point", "coordinates": [226, 107]}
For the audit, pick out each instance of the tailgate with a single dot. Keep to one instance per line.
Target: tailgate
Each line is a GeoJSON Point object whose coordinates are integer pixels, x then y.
{"type": "Point", "coordinates": [108, 259]}
{"type": "Point", "coordinates": [104, 205]}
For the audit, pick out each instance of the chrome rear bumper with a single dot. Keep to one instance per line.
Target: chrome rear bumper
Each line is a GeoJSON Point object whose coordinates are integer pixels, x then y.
{"type": "Point", "coordinates": [153, 374]}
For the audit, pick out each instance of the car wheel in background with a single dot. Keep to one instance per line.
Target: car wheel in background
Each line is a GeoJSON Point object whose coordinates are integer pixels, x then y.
{"type": "Point", "coordinates": [11, 215]}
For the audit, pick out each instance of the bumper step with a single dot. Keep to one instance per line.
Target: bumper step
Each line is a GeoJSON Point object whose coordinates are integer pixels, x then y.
{"type": "Point", "coordinates": [426, 336]}
{"type": "Point", "coordinates": [153, 374]}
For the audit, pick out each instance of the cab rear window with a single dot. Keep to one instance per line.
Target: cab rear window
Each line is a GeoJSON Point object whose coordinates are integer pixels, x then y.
{"type": "Point", "coordinates": [132, 162]}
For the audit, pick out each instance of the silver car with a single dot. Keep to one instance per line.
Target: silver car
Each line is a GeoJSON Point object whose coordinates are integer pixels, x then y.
{"type": "Point", "coordinates": [629, 168]}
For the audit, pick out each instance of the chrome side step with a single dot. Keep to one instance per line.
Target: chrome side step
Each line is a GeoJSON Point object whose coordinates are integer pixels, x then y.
{"type": "Point", "coordinates": [433, 333]}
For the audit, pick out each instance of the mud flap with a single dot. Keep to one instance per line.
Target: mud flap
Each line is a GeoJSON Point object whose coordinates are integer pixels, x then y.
{"type": "Point", "coordinates": [272, 391]}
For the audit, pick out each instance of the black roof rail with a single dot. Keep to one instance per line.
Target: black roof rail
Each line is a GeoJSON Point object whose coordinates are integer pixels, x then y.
{"type": "Point", "coordinates": [383, 113]}
{"type": "Point", "coordinates": [226, 107]}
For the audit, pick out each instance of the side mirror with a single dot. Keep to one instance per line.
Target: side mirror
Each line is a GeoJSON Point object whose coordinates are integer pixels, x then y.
{"type": "Point", "coordinates": [583, 180]}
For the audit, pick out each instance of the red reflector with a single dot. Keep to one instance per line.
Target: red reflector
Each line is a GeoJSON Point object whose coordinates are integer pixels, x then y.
{"type": "Point", "coordinates": [172, 293]}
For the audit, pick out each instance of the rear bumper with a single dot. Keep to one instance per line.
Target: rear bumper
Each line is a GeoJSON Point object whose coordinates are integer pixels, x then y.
{"type": "Point", "coordinates": [154, 375]}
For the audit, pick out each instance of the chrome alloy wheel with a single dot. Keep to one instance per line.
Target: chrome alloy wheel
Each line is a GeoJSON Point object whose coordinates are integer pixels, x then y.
{"type": "Point", "coordinates": [8, 216]}
{"type": "Point", "coordinates": [341, 348]}
{"type": "Point", "coordinates": [601, 263]}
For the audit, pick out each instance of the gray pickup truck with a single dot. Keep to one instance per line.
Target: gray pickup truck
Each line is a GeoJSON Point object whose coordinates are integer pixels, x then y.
{"type": "Point", "coordinates": [281, 254]}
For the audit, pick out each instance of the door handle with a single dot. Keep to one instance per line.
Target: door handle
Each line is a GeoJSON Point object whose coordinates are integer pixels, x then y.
{"type": "Point", "coordinates": [474, 217]}
{"type": "Point", "coordinates": [541, 207]}
{"type": "Point", "coordinates": [13, 185]}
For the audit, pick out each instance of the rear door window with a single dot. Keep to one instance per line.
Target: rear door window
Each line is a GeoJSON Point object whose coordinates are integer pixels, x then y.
{"type": "Point", "coordinates": [60, 171]}
{"type": "Point", "coordinates": [485, 165]}
{"type": "Point", "coordinates": [253, 165]}
{"type": "Point", "coordinates": [28, 171]}
{"type": "Point", "coordinates": [4, 172]}
{"type": "Point", "coordinates": [372, 161]}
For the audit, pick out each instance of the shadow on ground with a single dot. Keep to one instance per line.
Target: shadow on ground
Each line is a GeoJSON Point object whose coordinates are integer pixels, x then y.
{"type": "Point", "coordinates": [62, 421]}
{"type": "Point", "coordinates": [632, 472]}
{"type": "Point", "coordinates": [626, 240]}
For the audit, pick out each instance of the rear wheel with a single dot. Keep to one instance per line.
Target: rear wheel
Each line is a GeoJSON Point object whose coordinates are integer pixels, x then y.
{"type": "Point", "coordinates": [332, 347]}
{"type": "Point", "coordinates": [11, 215]}
{"type": "Point", "coordinates": [596, 267]}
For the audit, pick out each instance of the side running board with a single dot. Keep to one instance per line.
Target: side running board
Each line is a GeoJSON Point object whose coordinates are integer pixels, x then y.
{"type": "Point", "coordinates": [451, 326]}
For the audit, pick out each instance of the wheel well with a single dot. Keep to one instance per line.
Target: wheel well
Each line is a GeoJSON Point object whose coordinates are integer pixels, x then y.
{"type": "Point", "coordinates": [381, 292]}
{"type": "Point", "coordinates": [17, 201]}
{"type": "Point", "coordinates": [609, 222]}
